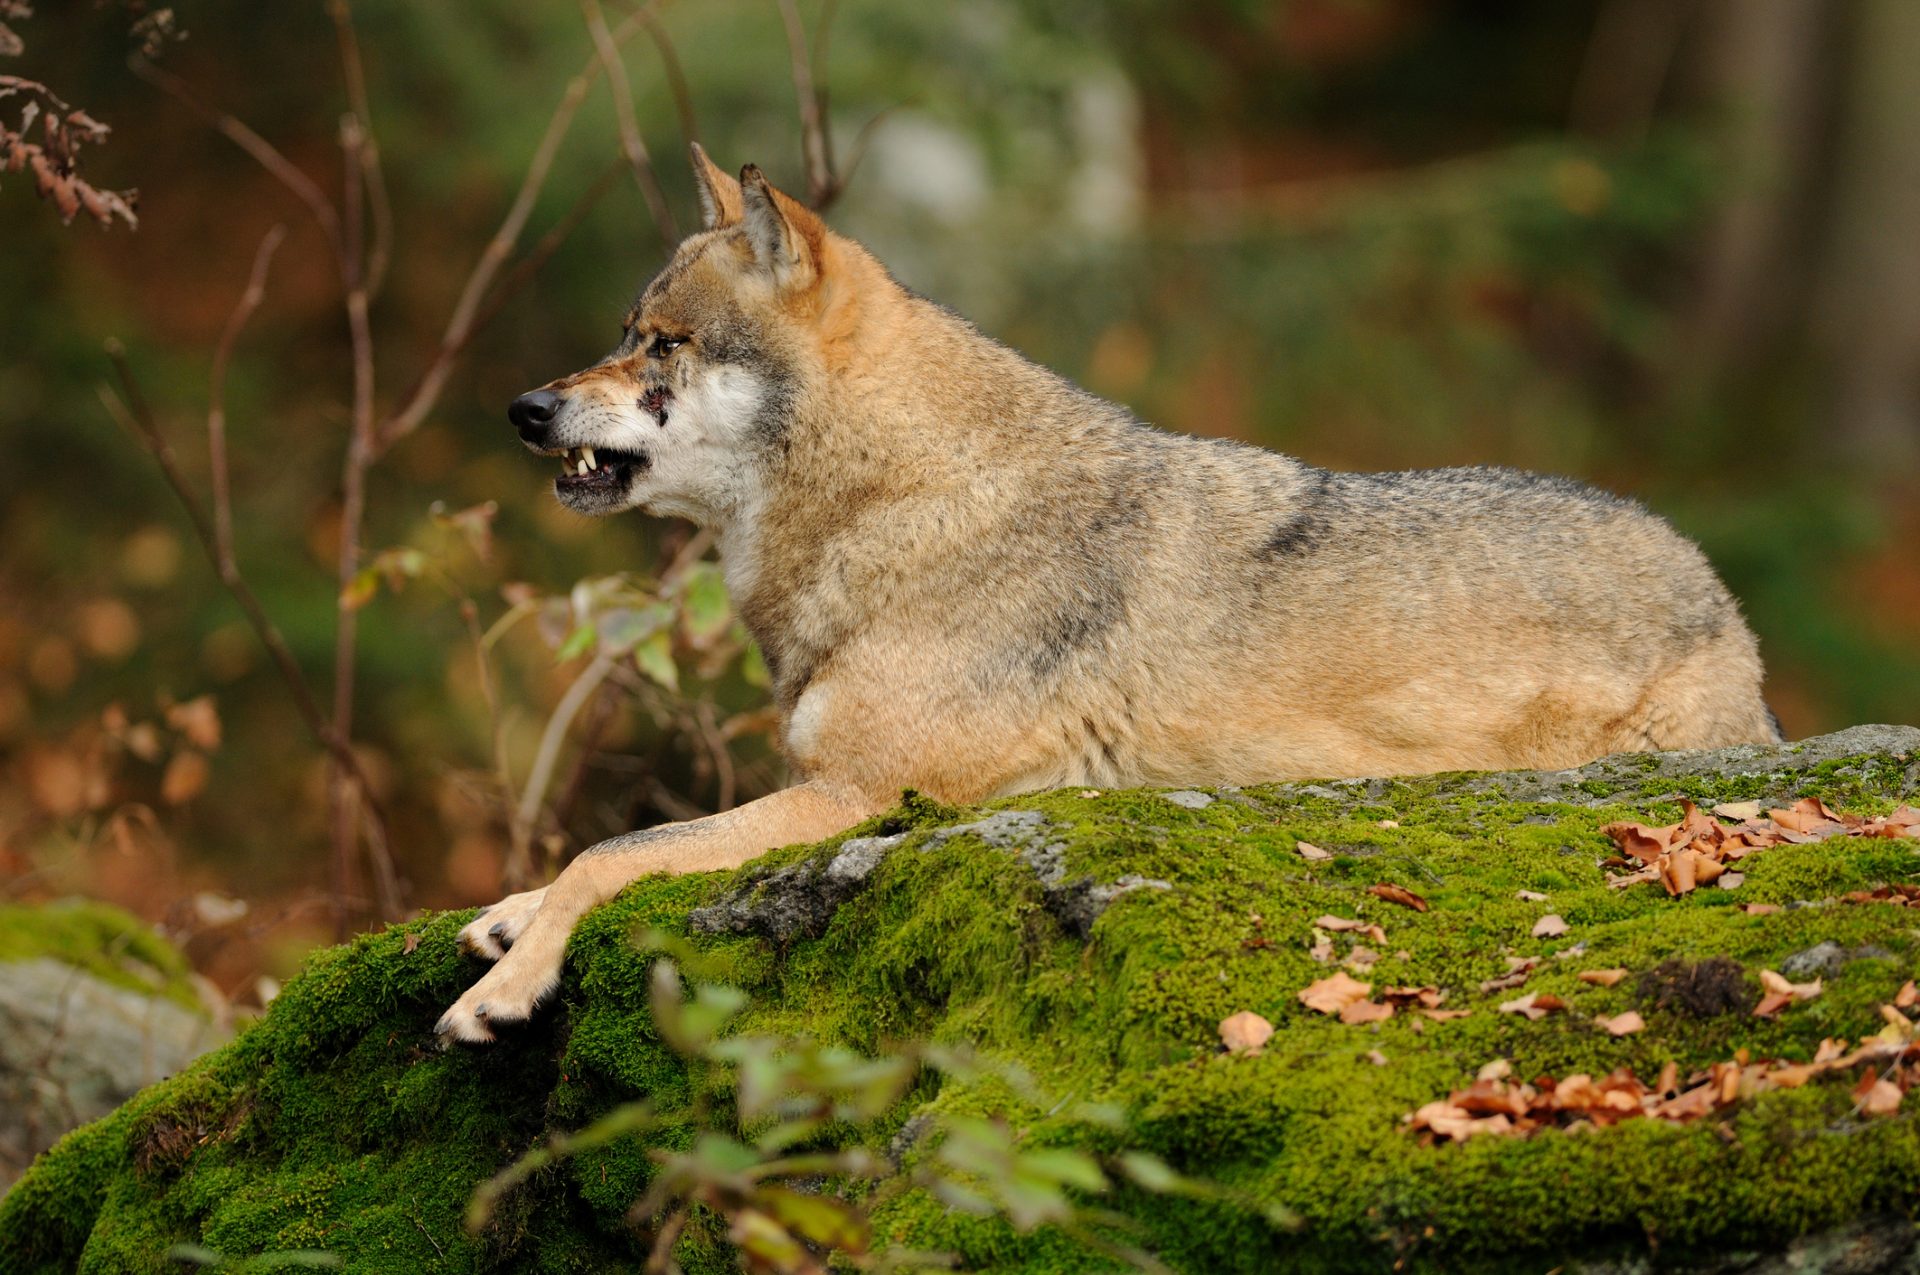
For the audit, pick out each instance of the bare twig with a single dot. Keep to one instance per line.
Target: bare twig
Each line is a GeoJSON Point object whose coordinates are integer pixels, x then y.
{"type": "Point", "coordinates": [813, 145]}
{"type": "Point", "coordinates": [676, 76]}
{"type": "Point", "coordinates": [630, 140]}
{"type": "Point", "coordinates": [461, 324]}
{"type": "Point", "coordinates": [137, 418]}
{"type": "Point", "coordinates": [353, 72]}
{"type": "Point", "coordinates": [264, 152]}
{"type": "Point", "coordinates": [353, 496]}
{"type": "Point", "coordinates": [533, 797]}
{"type": "Point", "coordinates": [249, 302]}
{"type": "Point", "coordinates": [528, 266]}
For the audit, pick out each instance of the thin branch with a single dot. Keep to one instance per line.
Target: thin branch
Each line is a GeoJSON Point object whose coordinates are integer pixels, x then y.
{"type": "Point", "coordinates": [533, 797]}
{"type": "Point", "coordinates": [676, 76]}
{"type": "Point", "coordinates": [353, 71]}
{"type": "Point", "coordinates": [630, 140]}
{"type": "Point", "coordinates": [813, 136]}
{"type": "Point", "coordinates": [263, 151]}
{"type": "Point", "coordinates": [461, 324]}
{"type": "Point", "coordinates": [136, 416]}
{"type": "Point", "coordinates": [353, 502]}
{"type": "Point", "coordinates": [529, 266]}
{"type": "Point", "coordinates": [217, 400]}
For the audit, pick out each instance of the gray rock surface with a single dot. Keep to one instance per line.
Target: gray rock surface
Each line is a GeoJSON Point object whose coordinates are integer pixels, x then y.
{"type": "Point", "coordinates": [73, 1047]}
{"type": "Point", "coordinates": [1595, 783]}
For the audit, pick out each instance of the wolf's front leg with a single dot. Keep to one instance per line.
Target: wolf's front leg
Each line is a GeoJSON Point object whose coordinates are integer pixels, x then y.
{"type": "Point", "coordinates": [528, 970]}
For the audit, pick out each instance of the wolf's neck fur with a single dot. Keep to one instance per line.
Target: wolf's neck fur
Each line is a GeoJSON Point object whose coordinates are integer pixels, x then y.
{"type": "Point", "coordinates": [917, 421]}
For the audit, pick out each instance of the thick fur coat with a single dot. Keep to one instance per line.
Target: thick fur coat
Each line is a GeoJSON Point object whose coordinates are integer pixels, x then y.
{"type": "Point", "coordinates": [973, 578]}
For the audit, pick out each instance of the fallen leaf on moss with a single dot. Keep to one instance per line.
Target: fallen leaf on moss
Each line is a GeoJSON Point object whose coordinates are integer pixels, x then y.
{"type": "Point", "coordinates": [1906, 996]}
{"type": "Point", "coordinates": [1760, 909]}
{"type": "Point", "coordinates": [1398, 894]}
{"type": "Point", "coordinates": [1877, 1097]}
{"type": "Point", "coordinates": [1375, 1057]}
{"type": "Point", "coordinates": [1361, 959]}
{"type": "Point", "coordinates": [1245, 1032]}
{"type": "Point", "coordinates": [1365, 1012]}
{"type": "Point", "coordinates": [1530, 896]}
{"type": "Point", "coordinates": [1332, 994]}
{"type": "Point", "coordinates": [1695, 851]}
{"type": "Point", "coordinates": [412, 942]}
{"type": "Point", "coordinates": [1340, 924]}
{"type": "Point", "coordinates": [1498, 1069]}
{"type": "Point", "coordinates": [1310, 852]}
{"type": "Point", "coordinates": [1623, 1024]}
{"type": "Point", "coordinates": [1602, 978]}
{"type": "Point", "coordinates": [1428, 997]}
{"type": "Point", "coordinates": [1781, 993]}
{"type": "Point", "coordinates": [1535, 1005]}
{"type": "Point", "coordinates": [1550, 926]}
{"type": "Point", "coordinates": [1443, 1015]}
{"type": "Point", "coordinates": [1518, 968]}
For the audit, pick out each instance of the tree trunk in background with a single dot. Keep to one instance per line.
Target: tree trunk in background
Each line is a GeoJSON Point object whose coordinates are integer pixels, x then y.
{"type": "Point", "coordinates": [1867, 303]}
{"type": "Point", "coordinates": [1764, 69]}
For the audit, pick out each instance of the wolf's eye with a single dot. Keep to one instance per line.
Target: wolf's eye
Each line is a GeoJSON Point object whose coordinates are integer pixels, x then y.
{"type": "Point", "coordinates": [661, 346]}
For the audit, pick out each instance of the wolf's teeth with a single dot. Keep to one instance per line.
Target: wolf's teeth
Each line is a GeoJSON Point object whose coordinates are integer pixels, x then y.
{"type": "Point", "coordinates": [583, 468]}
{"type": "Point", "coordinates": [591, 462]}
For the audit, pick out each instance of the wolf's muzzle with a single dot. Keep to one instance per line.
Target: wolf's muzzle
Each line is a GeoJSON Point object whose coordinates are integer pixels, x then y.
{"type": "Point", "coordinates": [533, 414]}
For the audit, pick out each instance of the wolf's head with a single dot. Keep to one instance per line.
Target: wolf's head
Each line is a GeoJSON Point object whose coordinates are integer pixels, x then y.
{"type": "Point", "coordinates": [689, 410]}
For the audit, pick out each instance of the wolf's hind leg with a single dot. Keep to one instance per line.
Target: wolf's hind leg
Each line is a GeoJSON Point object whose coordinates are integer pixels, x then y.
{"type": "Point", "coordinates": [1709, 699]}
{"type": "Point", "coordinates": [529, 969]}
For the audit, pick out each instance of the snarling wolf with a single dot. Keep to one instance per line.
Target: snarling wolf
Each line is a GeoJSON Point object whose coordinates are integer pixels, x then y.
{"type": "Point", "coordinates": [970, 577]}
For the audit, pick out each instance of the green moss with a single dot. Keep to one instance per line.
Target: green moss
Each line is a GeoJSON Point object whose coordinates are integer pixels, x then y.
{"type": "Point", "coordinates": [334, 1124]}
{"type": "Point", "coordinates": [102, 940]}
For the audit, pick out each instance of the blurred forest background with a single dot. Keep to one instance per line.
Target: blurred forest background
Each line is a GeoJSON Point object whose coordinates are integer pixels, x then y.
{"type": "Point", "coordinates": [1664, 245]}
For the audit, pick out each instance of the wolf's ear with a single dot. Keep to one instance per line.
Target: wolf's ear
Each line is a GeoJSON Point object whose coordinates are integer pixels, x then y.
{"type": "Point", "coordinates": [787, 237]}
{"type": "Point", "coordinates": [719, 193]}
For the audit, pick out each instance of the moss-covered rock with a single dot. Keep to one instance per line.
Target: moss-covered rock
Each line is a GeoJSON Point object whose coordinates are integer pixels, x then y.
{"type": "Point", "coordinates": [334, 1124]}
{"type": "Point", "coordinates": [94, 1007]}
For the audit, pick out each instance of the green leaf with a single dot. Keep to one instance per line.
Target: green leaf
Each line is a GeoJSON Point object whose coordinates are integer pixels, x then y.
{"type": "Point", "coordinates": [578, 642]}
{"type": "Point", "coordinates": [753, 667]}
{"type": "Point", "coordinates": [704, 605]}
{"type": "Point", "coordinates": [361, 589]}
{"type": "Point", "coordinates": [623, 628]}
{"type": "Point", "coordinates": [829, 1222]}
{"type": "Point", "coordinates": [654, 658]}
{"type": "Point", "coordinates": [1153, 1173]}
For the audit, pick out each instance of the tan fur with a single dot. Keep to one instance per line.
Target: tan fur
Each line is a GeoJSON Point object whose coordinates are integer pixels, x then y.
{"type": "Point", "coordinates": [972, 578]}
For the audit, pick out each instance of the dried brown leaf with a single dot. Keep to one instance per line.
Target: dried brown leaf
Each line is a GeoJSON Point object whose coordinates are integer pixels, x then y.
{"type": "Point", "coordinates": [1245, 1032]}
{"type": "Point", "coordinates": [1398, 894]}
{"type": "Point", "coordinates": [1334, 993]}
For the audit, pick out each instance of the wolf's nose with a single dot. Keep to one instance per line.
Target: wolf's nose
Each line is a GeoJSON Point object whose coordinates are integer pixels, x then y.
{"type": "Point", "coordinates": [532, 413]}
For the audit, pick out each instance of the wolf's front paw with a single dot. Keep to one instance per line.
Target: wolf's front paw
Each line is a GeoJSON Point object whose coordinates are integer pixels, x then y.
{"type": "Point", "coordinates": [505, 995]}
{"type": "Point", "coordinates": [492, 932]}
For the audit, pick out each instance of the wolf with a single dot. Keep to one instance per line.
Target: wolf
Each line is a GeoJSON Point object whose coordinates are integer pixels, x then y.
{"type": "Point", "coordinates": [971, 577]}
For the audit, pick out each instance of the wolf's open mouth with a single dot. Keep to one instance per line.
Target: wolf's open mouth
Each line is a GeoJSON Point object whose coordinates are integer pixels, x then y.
{"type": "Point", "coordinates": [582, 467]}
